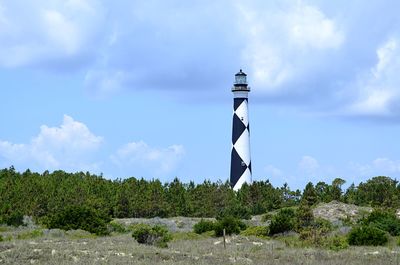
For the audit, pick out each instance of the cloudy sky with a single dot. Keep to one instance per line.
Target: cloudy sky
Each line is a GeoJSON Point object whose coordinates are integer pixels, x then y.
{"type": "Point", "coordinates": [142, 88]}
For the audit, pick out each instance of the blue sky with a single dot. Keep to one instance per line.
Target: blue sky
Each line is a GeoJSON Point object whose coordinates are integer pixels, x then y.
{"type": "Point", "coordinates": [142, 88]}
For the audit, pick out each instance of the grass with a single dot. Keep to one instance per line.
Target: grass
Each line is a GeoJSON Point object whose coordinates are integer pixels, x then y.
{"type": "Point", "coordinates": [188, 236]}
{"type": "Point", "coordinates": [4, 228]}
{"type": "Point", "coordinates": [40, 246]}
{"type": "Point", "coordinates": [186, 248]}
{"type": "Point", "coordinates": [30, 234]}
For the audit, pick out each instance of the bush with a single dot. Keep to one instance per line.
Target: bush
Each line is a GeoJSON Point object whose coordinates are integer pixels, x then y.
{"type": "Point", "coordinates": [1, 238]}
{"type": "Point", "coordinates": [151, 235]}
{"type": "Point", "coordinates": [266, 217]}
{"type": "Point", "coordinates": [79, 217]}
{"type": "Point", "coordinates": [203, 226]}
{"type": "Point", "coordinates": [283, 221]}
{"type": "Point", "coordinates": [117, 227]}
{"type": "Point", "coordinates": [13, 219]}
{"type": "Point", "coordinates": [259, 231]}
{"type": "Point", "coordinates": [336, 243]}
{"type": "Point", "coordinates": [230, 224]}
{"type": "Point", "coordinates": [367, 235]}
{"type": "Point", "coordinates": [384, 220]}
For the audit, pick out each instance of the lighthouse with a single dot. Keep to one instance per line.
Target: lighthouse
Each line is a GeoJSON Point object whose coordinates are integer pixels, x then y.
{"type": "Point", "coordinates": [240, 156]}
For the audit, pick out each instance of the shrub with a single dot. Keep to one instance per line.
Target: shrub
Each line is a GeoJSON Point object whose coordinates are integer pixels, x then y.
{"type": "Point", "coordinates": [1, 238]}
{"type": "Point", "coordinates": [283, 221]}
{"type": "Point", "coordinates": [151, 235]}
{"type": "Point", "coordinates": [304, 217]}
{"type": "Point", "coordinates": [13, 219]}
{"type": "Point", "coordinates": [230, 224]}
{"type": "Point", "coordinates": [266, 217]}
{"type": "Point", "coordinates": [259, 231]}
{"type": "Point", "coordinates": [117, 227]}
{"type": "Point", "coordinates": [203, 226]}
{"type": "Point", "coordinates": [336, 243]}
{"type": "Point", "coordinates": [384, 220]}
{"type": "Point", "coordinates": [324, 226]}
{"type": "Point", "coordinates": [367, 235]}
{"type": "Point", "coordinates": [79, 217]}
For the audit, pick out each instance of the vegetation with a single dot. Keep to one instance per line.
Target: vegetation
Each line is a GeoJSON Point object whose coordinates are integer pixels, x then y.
{"type": "Point", "coordinates": [86, 201]}
{"type": "Point", "coordinates": [151, 235]}
{"type": "Point", "coordinates": [258, 231]}
{"type": "Point", "coordinates": [385, 220]}
{"type": "Point", "coordinates": [336, 243]}
{"type": "Point", "coordinates": [231, 225]}
{"type": "Point", "coordinates": [117, 227]}
{"type": "Point", "coordinates": [12, 218]}
{"type": "Point", "coordinates": [79, 217]}
{"type": "Point", "coordinates": [51, 192]}
{"type": "Point", "coordinates": [203, 226]}
{"type": "Point", "coordinates": [30, 234]}
{"type": "Point", "coordinates": [367, 235]}
{"type": "Point", "coordinates": [283, 221]}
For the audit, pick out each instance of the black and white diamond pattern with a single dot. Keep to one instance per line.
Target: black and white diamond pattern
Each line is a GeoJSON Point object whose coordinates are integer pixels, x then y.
{"type": "Point", "coordinates": [240, 157]}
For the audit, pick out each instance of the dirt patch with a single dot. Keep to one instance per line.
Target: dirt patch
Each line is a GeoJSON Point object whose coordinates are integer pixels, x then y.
{"type": "Point", "coordinates": [337, 212]}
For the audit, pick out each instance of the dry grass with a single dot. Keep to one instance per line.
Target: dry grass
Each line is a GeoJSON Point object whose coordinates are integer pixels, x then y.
{"type": "Point", "coordinates": [78, 247]}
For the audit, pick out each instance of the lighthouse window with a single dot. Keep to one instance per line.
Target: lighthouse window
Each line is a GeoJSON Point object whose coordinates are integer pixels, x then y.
{"type": "Point", "coordinates": [243, 164]}
{"type": "Point", "coordinates": [241, 118]}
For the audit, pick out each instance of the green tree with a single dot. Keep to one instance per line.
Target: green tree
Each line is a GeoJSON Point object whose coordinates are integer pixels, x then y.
{"type": "Point", "coordinates": [309, 195]}
{"type": "Point", "coordinates": [336, 190]}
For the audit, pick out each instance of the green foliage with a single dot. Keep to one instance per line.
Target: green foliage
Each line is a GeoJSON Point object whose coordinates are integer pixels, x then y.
{"type": "Point", "coordinates": [258, 231]}
{"type": "Point", "coordinates": [283, 221]}
{"type": "Point", "coordinates": [385, 220]}
{"type": "Point", "coordinates": [131, 197]}
{"type": "Point", "coordinates": [367, 235]}
{"type": "Point", "coordinates": [1, 238]}
{"type": "Point", "coordinates": [309, 195]}
{"type": "Point", "coordinates": [324, 225]}
{"type": "Point", "coordinates": [336, 243]}
{"type": "Point", "coordinates": [336, 189]}
{"type": "Point", "coordinates": [236, 210]}
{"type": "Point", "coordinates": [187, 236]}
{"type": "Point", "coordinates": [117, 227]}
{"type": "Point", "coordinates": [379, 191]}
{"type": "Point", "coordinates": [79, 217]}
{"type": "Point", "coordinates": [304, 217]}
{"type": "Point", "coordinates": [203, 226]}
{"type": "Point", "coordinates": [151, 235]}
{"type": "Point", "coordinates": [13, 219]}
{"type": "Point", "coordinates": [266, 217]}
{"type": "Point", "coordinates": [261, 197]}
{"type": "Point", "coordinates": [30, 234]}
{"type": "Point", "coordinates": [231, 225]}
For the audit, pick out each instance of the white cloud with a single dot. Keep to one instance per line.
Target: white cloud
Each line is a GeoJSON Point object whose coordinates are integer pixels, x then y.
{"type": "Point", "coordinates": [378, 89]}
{"type": "Point", "coordinates": [308, 164]}
{"type": "Point", "coordinates": [282, 39]}
{"type": "Point", "coordinates": [35, 32]}
{"type": "Point", "coordinates": [273, 171]}
{"type": "Point", "coordinates": [69, 147]}
{"type": "Point", "coordinates": [379, 166]}
{"type": "Point", "coordinates": [136, 157]}
{"type": "Point", "coordinates": [104, 83]}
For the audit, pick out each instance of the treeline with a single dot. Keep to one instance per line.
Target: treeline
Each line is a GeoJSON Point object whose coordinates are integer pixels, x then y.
{"type": "Point", "coordinates": [41, 195]}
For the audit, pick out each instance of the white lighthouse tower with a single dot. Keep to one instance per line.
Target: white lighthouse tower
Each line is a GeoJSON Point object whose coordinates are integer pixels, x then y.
{"type": "Point", "coordinates": [240, 157]}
